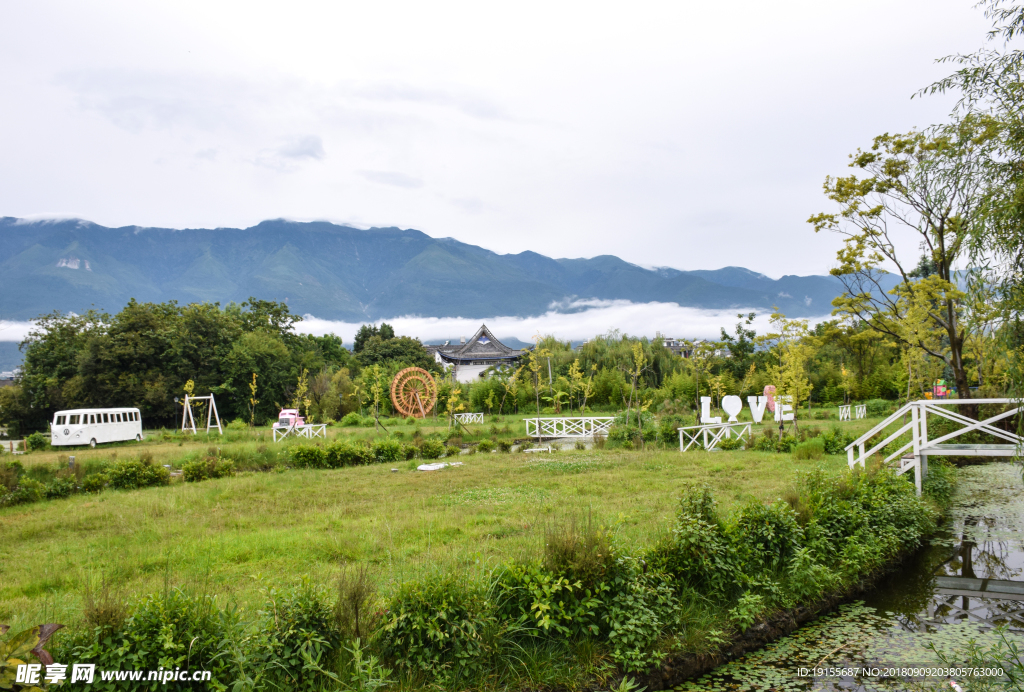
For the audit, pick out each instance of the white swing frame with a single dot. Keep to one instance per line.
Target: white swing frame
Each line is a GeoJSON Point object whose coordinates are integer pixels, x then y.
{"type": "Point", "coordinates": [211, 414]}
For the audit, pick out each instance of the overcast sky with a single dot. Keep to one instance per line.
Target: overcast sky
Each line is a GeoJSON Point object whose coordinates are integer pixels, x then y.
{"type": "Point", "coordinates": [683, 134]}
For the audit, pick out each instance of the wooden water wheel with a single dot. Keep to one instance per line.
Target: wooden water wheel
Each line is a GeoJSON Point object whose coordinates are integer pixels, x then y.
{"type": "Point", "coordinates": [414, 392]}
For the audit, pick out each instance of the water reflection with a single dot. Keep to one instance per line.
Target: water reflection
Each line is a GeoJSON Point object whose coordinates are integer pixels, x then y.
{"type": "Point", "coordinates": [980, 550]}
{"type": "Point", "coordinates": [932, 601]}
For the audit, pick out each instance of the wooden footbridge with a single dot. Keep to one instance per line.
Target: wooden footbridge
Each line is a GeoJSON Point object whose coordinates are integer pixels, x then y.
{"type": "Point", "coordinates": [913, 455]}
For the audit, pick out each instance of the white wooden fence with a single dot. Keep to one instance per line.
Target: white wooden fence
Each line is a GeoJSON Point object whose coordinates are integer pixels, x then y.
{"type": "Point", "coordinates": [859, 411]}
{"type": "Point", "coordinates": [708, 436]}
{"type": "Point", "coordinates": [920, 447]}
{"type": "Point", "coordinates": [469, 418]}
{"type": "Point", "coordinates": [567, 427]}
{"type": "Point", "coordinates": [308, 431]}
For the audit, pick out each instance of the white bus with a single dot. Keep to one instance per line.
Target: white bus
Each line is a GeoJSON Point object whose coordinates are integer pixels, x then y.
{"type": "Point", "coordinates": [93, 426]}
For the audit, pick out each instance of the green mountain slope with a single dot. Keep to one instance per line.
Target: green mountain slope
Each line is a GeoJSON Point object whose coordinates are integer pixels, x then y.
{"type": "Point", "coordinates": [343, 273]}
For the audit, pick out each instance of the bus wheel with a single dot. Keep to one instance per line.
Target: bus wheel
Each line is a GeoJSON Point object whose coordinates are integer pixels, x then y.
{"type": "Point", "coordinates": [138, 438]}
{"type": "Point", "coordinates": [92, 443]}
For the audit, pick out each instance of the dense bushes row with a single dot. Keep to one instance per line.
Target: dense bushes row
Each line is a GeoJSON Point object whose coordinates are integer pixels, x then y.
{"type": "Point", "coordinates": [18, 486]}
{"type": "Point", "coordinates": [710, 578]}
{"type": "Point", "coordinates": [341, 453]}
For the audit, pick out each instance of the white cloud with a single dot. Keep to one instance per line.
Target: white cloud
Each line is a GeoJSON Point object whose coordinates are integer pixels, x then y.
{"type": "Point", "coordinates": [393, 178]}
{"type": "Point", "coordinates": [305, 147]}
{"type": "Point", "coordinates": [593, 317]}
{"type": "Point", "coordinates": [14, 331]}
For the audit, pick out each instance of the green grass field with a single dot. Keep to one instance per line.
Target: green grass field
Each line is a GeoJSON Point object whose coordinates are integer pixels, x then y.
{"type": "Point", "coordinates": [235, 536]}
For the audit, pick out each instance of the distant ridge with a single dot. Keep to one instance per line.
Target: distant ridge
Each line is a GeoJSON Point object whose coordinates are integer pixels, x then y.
{"type": "Point", "coordinates": [343, 273]}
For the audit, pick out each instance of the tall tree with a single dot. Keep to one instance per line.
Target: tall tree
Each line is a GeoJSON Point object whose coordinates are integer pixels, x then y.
{"type": "Point", "coordinates": [921, 186]}
{"type": "Point", "coordinates": [991, 88]}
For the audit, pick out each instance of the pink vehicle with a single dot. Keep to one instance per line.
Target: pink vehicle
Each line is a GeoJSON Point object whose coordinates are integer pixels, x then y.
{"type": "Point", "coordinates": [289, 418]}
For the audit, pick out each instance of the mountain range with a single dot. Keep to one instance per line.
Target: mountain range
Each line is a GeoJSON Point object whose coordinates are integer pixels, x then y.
{"type": "Point", "coordinates": [350, 274]}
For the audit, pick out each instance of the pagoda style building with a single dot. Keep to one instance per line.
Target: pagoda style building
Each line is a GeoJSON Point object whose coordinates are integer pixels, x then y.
{"type": "Point", "coordinates": [470, 358]}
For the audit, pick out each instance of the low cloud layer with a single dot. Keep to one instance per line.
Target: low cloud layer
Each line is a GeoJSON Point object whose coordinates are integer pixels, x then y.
{"type": "Point", "coordinates": [14, 331]}
{"type": "Point", "coordinates": [591, 318]}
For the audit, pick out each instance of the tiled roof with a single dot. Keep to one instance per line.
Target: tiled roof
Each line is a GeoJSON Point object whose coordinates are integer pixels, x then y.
{"type": "Point", "coordinates": [483, 346]}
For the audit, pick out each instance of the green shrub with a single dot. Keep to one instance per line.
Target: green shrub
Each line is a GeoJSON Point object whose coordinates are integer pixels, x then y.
{"type": "Point", "coordinates": [95, 483]}
{"type": "Point", "coordinates": [786, 444]}
{"type": "Point", "coordinates": [341, 454]}
{"type": "Point", "coordinates": [432, 449]}
{"type": "Point", "coordinates": [210, 467]}
{"type": "Point", "coordinates": [765, 442]}
{"type": "Point", "coordinates": [136, 473]}
{"type": "Point", "coordinates": [438, 627]}
{"type": "Point", "coordinates": [409, 451]}
{"type": "Point", "coordinates": [309, 457]}
{"type": "Point", "coordinates": [698, 553]}
{"type": "Point", "coordinates": [747, 610]}
{"type": "Point", "coordinates": [484, 446]}
{"type": "Point", "coordinates": [386, 451]}
{"type": "Point", "coordinates": [768, 441]}
{"type": "Point", "coordinates": [28, 490]}
{"type": "Point", "coordinates": [879, 407]}
{"type": "Point", "coordinates": [640, 608]}
{"type": "Point", "coordinates": [811, 449]}
{"type": "Point", "coordinates": [352, 419]}
{"type": "Point", "coordinates": [237, 424]}
{"type": "Point", "coordinates": [298, 637]}
{"type": "Point", "coordinates": [668, 429]}
{"type": "Point", "coordinates": [554, 605]}
{"type": "Point", "coordinates": [627, 433]}
{"type": "Point", "coordinates": [940, 483]}
{"type": "Point", "coordinates": [807, 578]}
{"type": "Point", "coordinates": [504, 446]}
{"type": "Point", "coordinates": [10, 473]}
{"type": "Point", "coordinates": [765, 536]}
{"type": "Point", "coordinates": [59, 488]}
{"type": "Point", "coordinates": [836, 440]}
{"type": "Point", "coordinates": [729, 443]}
{"type": "Point", "coordinates": [167, 630]}
{"type": "Point", "coordinates": [859, 520]}
{"type": "Point", "coordinates": [37, 441]}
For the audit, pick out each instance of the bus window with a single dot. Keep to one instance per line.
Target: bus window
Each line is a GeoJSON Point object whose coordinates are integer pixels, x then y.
{"type": "Point", "coordinates": [134, 415]}
{"type": "Point", "coordinates": [92, 419]}
{"type": "Point", "coordinates": [74, 419]}
{"type": "Point", "coordinates": [60, 420]}
{"type": "Point", "coordinates": [105, 418]}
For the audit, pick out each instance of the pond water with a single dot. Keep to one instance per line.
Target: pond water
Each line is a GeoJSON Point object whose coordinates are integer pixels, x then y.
{"type": "Point", "coordinates": [929, 605]}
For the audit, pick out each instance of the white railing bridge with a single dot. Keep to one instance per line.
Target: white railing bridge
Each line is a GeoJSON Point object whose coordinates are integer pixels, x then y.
{"type": "Point", "coordinates": [309, 431]}
{"type": "Point", "coordinates": [567, 427]}
{"type": "Point", "coordinates": [914, 454]}
{"type": "Point", "coordinates": [708, 436]}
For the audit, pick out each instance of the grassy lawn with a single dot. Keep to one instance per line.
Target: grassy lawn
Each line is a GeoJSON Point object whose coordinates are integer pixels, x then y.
{"type": "Point", "coordinates": [235, 536]}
